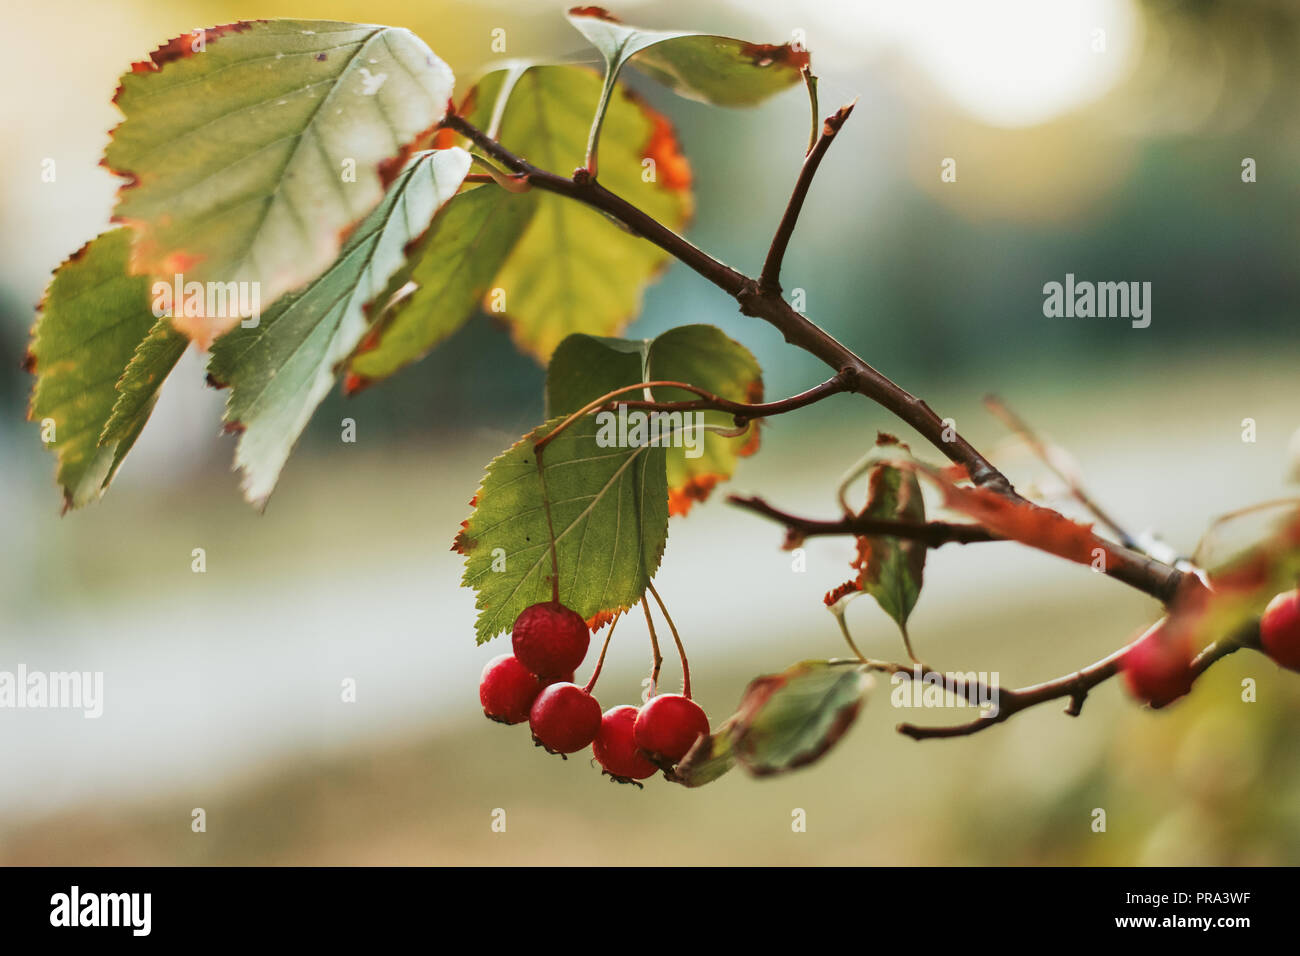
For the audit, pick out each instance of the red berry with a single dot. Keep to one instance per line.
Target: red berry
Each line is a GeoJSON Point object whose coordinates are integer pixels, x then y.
{"type": "Point", "coordinates": [1279, 629]}
{"type": "Point", "coordinates": [507, 689]}
{"type": "Point", "coordinates": [668, 727]}
{"type": "Point", "coordinates": [550, 639]}
{"type": "Point", "coordinates": [564, 718]}
{"type": "Point", "coordinates": [1158, 666]}
{"type": "Point", "coordinates": [615, 747]}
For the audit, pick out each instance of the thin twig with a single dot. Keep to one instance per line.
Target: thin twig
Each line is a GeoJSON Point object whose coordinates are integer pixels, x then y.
{"type": "Point", "coordinates": [743, 411]}
{"type": "Point", "coordinates": [769, 280]}
{"type": "Point", "coordinates": [933, 534]}
{"type": "Point", "coordinates": [1026, 434]}
{"type": "Point", "coordinates": [1074, 686]}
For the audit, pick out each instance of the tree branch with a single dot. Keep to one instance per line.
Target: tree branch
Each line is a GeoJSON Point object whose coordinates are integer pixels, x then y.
{"type": "Point", "coordinates": [1020, 428]}
{"type": "Point", "coordinates": [744, 412]}
{"type": "Point", "coordinates": [931, 533]}
{"type": "Point", "coordinates": [1132, 568]}
{"type": "Point", "coordinates": [1159, 580]}
{"type": "Point", "coordinates": [769, 280]}
{"type": "Point", "coordinates": [1075, 686]}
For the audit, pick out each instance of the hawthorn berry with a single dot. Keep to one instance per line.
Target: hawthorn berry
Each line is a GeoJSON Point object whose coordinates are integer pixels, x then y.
{"type": "Point", "coordinates": [564, 718]}
{"type": "Point", "coordinates": [550, 639]}
{"type": "Point", "coordinates": [1279, 629]}
{"type": "Point", "coordinates": [507, 689]}
{"type": "Point", "coordinates": [1158, 666]}
{"type": "Point", "coordinates": [668, 727]}
{"type": "Point", "coordinates": [615, 747]}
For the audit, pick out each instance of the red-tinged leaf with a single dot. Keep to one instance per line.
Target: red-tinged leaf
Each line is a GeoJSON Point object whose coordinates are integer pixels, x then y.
{"type": "Point", "coordinates": [572, 269]}
{"type": "Point", "coordinates": [789, 720]}
{"type": "Point", "coordinates": [707, 760]}
{"type": "Point", "coordinates": [252, 151]}
{"type": "Point", "coordinates": [1023, 521]}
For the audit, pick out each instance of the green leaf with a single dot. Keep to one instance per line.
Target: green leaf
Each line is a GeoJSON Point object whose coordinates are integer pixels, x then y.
{"type": "Point", "coordinates": [713, 69]}
{"type": "Point", "coordinates": [573, 270]}
{"type": "Point", "coordinates": [94, 326]}
{"type": "Point", "coordinates": [585, 367]}
{"type": "Point", "coordinates": [709, 759]}
{"type": "Point", "coordinates": [455, 264]}
{"type": "Point", "coordinates": [609, 508]}
{"type": "Point", "coordinates": [280, 370]}
{"type": "Point", "coordinates": [249, 160]}
{"type": "Point", "coordinates": [788, 720]}
{"type": "Point", "coordinates": [891, 569]}
{"type": "Point", "coordinates": [152, 362]}
{"type": "Point", "coordinates": [702, 355]}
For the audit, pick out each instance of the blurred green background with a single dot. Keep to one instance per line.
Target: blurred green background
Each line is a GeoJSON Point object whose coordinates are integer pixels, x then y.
{"type": "Point", "coordinates": [1119, 163]}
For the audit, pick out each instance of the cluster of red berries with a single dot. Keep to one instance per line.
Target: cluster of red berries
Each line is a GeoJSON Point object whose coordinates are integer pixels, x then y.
{"type": "Point", "coordinates": [1158, 666]}
{"type": "Point", "coordinates": [535, 684]}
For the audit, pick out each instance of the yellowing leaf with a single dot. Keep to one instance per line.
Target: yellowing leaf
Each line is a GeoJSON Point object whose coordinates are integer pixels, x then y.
{"type": "Point", "coordinates": [100, 357]}
{"type": "Point", "coordinates": [573, 270]}
{"type": "Point", "coordinates": [456, 262]}
{"type": "Point", "coordinates": [252, 149]}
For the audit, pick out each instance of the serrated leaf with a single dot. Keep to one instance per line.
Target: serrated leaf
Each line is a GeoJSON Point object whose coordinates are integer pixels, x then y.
{"type": "Point", "coordinates": [586, 367]}
{"type": "Point", "coordinates": [91, 328]}
{"type": "Point", "coordinates": [712, 69]}
{"type": "Point", "coordinates": [456, 262]}
{"type": "Point", "coordinates": [280, 370]}
{"type": "Point", "coordinates": [573, 270]}
{"type": "Point", "coordinates": [249, 160]}
{"type": "Point", "coordinates": [153, 360]}
{"type": "Point", "coordinates": [609, 507]}
{"type": "Point", "coordinates": [788, 720]}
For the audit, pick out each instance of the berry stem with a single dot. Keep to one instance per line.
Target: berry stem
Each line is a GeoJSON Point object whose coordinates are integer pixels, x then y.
{"type": "Point", "coordinates": [600, 661]}
{"type": "Point", "coordinates": [681, 651]}
{"type": "Point", "coordinates": [658, 658]}
{"type": "Point", "coordinates": [550, 527]}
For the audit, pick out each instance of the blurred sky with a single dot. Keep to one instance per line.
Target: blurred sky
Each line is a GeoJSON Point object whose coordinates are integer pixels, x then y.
{"type": "Point", "coordinates": [1118, 161]}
